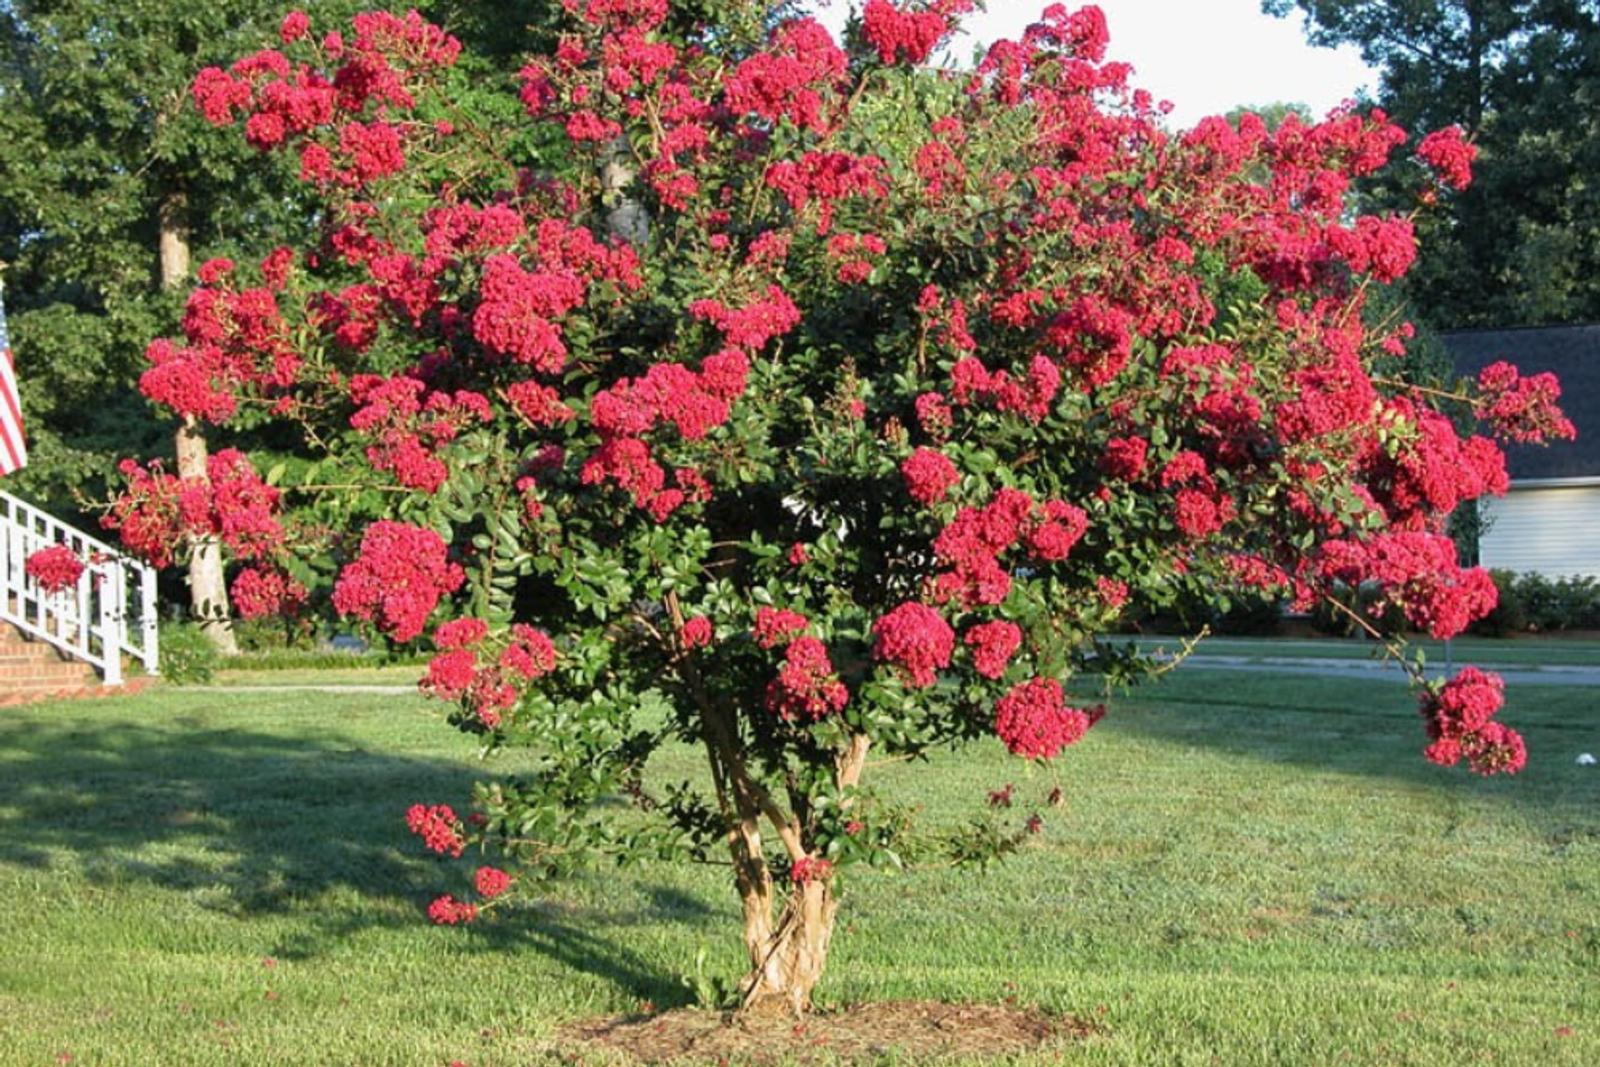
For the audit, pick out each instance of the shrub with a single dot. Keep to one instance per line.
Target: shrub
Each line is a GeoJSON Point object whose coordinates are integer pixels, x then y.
{"type": "Point", "coordinates": [188, 656]}
{"type": "Point", "coordinates": [1533, 603]}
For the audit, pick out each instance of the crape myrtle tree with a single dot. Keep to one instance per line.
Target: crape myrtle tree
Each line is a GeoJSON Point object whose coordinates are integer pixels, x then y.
{"type": "Point", "coordinates": [830, 410]}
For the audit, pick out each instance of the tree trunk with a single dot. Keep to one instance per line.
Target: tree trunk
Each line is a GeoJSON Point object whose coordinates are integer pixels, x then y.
{"type": "Point", "coordinates": [208, 589]}
{"type": "Point", "coordinates": [625, 217]}
{"type": "Point", "coordinates": [787, 960]}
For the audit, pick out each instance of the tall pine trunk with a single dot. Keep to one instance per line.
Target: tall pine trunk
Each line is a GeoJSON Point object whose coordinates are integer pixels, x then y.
{"type": "Point", "coordinates": [208, 589]}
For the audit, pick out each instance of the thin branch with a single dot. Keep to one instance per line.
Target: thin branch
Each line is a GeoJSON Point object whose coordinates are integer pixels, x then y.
{"type": "Point", "coordinates": [1189, 644]}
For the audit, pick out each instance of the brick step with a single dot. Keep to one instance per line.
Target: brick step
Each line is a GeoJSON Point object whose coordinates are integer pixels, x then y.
{"type": "Point", "coordinates": [38, 652]}
{"type": "Point", "coordinates": [36, 667]}
{"type": "Point", "coordinates": [17, 679]}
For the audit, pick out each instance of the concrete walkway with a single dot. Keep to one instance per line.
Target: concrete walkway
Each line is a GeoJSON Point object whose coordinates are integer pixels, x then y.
{"type": "Point", "coordinates": [1387, 669]}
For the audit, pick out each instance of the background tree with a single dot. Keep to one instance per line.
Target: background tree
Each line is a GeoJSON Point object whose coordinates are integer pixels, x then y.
{"type": "Point", "coordinates": [111, 185]}
{"type": "Point", "coordinates": [1521, 246]}
{"type": "Point", "coordinates": [912, 385]}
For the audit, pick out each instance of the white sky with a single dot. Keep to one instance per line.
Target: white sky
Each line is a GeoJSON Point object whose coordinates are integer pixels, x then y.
{"type": "Point", "coordinates": [1206, 56]}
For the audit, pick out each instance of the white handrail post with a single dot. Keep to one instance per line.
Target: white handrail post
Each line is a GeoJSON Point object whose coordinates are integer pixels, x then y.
{"type": "Point", "coordinates": [82, 627]}
{"type": "Point", "coordinates": [147, 618]}
{"type": "Point", "coordinates": [110, 639]}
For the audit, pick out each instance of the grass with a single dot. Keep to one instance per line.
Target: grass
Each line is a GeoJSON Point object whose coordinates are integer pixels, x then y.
{"type": "Point", "coordinates": [390, 675]}
{"type": "Point", "coordinates": [1250, 869]}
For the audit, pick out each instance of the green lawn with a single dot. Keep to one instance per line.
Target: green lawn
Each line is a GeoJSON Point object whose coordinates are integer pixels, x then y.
{"type": "Point", "coordinates": [1250, 870]}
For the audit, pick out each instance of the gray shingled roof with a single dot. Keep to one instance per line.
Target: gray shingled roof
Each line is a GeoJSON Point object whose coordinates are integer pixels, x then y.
{"type": "Point", "coordinates": [1573, 354]}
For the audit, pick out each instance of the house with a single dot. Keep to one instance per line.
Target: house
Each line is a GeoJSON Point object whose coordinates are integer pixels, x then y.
{"type": "Point", "coordinates": [1549, 522]}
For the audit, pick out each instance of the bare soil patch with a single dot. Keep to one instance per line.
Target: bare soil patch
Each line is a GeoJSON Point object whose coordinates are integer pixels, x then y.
{"type": "Point", "coordinates": [910, 1031]}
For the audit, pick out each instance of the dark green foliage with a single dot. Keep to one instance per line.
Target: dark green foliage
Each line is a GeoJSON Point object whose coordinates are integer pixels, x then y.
{"type": "Point", "coordinates": [1533, 603]}
{"type": "Point", "coordinates": [188, 656]}
{"type": "Point", "coordinates": [97, 131]}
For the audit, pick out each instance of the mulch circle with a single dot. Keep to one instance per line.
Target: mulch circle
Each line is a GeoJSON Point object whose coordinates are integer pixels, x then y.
{"type": "Point", "coordinates": [915, 1031]}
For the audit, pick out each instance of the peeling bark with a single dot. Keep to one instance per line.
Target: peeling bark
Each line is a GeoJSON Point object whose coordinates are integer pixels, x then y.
{"type": "Point", "coordinates": [208, 589]}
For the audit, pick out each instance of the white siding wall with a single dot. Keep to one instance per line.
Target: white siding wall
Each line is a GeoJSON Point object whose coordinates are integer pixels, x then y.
{"type": "Point", "coordinates": [1554, 531]}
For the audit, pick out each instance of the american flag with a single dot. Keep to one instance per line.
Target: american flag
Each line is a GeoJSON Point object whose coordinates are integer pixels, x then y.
{"type": "Point", "coordinates": [13, 450]}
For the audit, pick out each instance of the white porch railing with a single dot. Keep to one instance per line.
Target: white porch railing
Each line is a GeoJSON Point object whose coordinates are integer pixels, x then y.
{"type": "Point", "coordinates": [92, 621]}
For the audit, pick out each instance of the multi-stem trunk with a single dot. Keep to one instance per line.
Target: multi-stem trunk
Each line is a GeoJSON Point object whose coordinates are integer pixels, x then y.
{"type": "Point", "coordinates": [788, 950]}
{"type": "Point", "coordinates": [787, 957]}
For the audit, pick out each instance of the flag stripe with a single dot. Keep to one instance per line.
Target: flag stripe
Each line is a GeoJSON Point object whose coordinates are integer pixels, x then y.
{"type": "Point", "coordinates": [13, 447]}
{"type": "Point", "coordinates": [13, 453]}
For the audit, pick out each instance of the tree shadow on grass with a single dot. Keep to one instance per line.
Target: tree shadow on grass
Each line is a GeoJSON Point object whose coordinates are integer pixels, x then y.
{"type": "Point", "coordinates": [250, 822]}
{"type": "Point", "coordinates": [1372, 729]}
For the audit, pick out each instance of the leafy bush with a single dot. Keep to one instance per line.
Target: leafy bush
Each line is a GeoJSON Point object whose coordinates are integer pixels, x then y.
{"type": "Point", "coordinates": [1533, 603]}
{"type": "Point", "coordinates": [188, 656]}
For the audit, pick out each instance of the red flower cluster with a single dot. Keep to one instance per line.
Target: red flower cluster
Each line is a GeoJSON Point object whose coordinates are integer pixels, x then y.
{"type": "Point", "coordinates": [826, 179]}
{"type": "Point", "coordinates": [438, 827]}
{"type": "Point", "coordinates": [486, 685]}
{"type": "Point", "coordinates": [806, 687]}
{"type": "Point", "coordinates": [697, 632]}
{"type": "Point", "coordinates": [1326, 399]}
{"type": "Point", "coordinates": [1458, 715]}
{"type": "Point", "coordinates": [972, 544]}
{"type": "Point", "coordinates": [260, 591]}
{"type": "Point", "coordinates": [295, 25]}
{"type": "Point", "coordinates": [1450, 155]}
{"type": "Point", "coordinates": [1034, 722]}
{"type": "Point", "coordinates": [668, 393]}
{"type": "Point", "coordinates": [56, 568]}
{"type": "Point", "coordinates": [284, 102]}
{"type": "Point", "coordinates": [1029, 396]}
{"type": "Point", "coordinates": [1417, 573]}
{"type": "Point", "coordinates": [236, 343]}
{"type": "Point", "coordinates": [448, 911]}
{"type": "Point", "coordinates": [909, 35]}
{"type": "Point", "coordinates": [1439, 472]}
{"type": "Point", "coordinates": [929, 475]}
{"type": "Point", "coordinates": [1523, 409]}
{"type": "Point", "coordinates": [993, 644]}
{"type": "Point", "coordinates": [792, 79]}
{"type": "Point", "coordinates": [1124, 458]}
{"type": "Point", "coordinates": [159, 512]}
{"type": "Point", "coordinates": [456, 676]}
{"type": "Point", "coordinates": [752, 326]}
{"type": "Point", "coordinates": [775, 626]}
{"type": "Point", "coordinates": [915, 638]}
{"type": "Point", "coordinates": [1051, 538]}
{"type": "Point", "coordinates": [407, 430]}
{"type": "Point", "coordinates": [1200, 509]}
{"type": "Point", "coordinates": [397, 579]}
{"type": "Point", "coordinates": [530, 655]}
{"type": "Point", "coordinates": [460, 633]}
{"type": "Point", "coordinates": [491, 882]}
{"type": "Point", "coordinates": [671, 393]}
{"type": "Point", "coordinates": [809, 869]}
